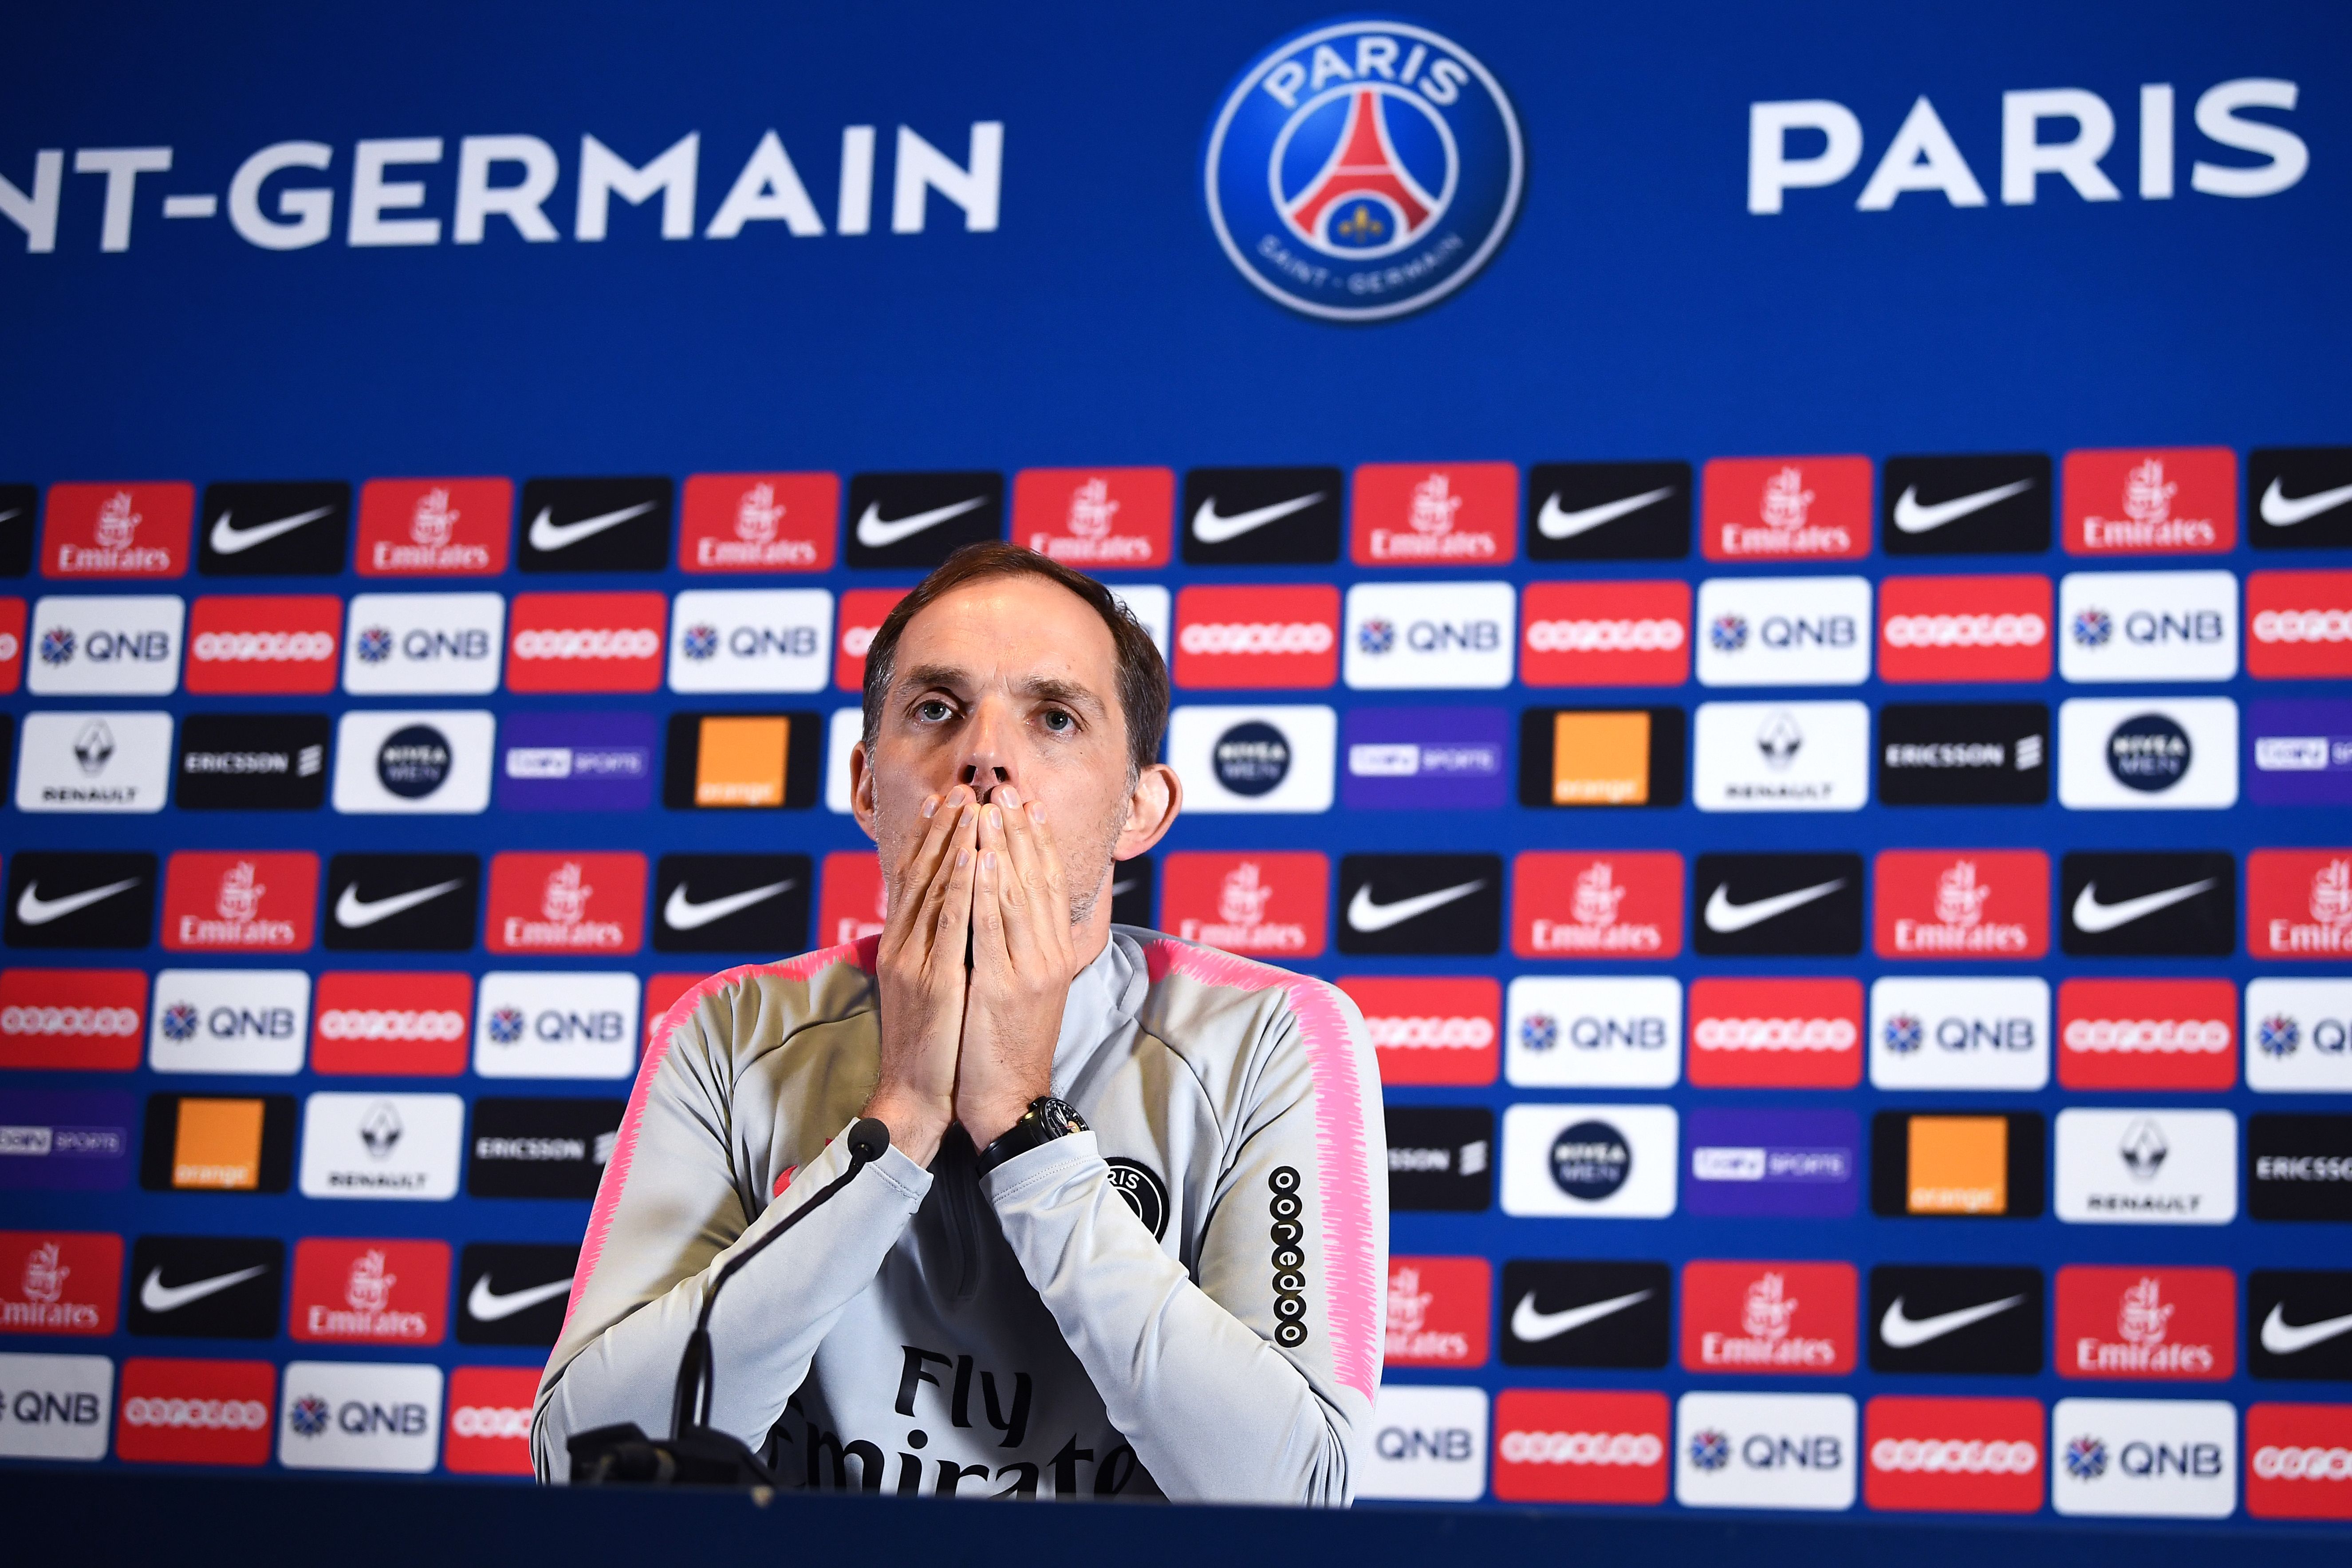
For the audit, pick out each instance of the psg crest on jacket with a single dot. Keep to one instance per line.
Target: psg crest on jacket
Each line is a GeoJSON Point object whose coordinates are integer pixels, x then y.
{"type": "Point", "coordinates": [1361, 170]}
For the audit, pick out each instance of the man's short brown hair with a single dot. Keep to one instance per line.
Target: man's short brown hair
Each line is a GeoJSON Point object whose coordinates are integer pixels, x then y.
{"type": "Point", "coordinates": [1143, 673]}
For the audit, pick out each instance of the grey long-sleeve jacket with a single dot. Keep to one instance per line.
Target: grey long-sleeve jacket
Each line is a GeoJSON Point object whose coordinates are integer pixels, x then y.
{"type": "Point", "coordinates": [1185, 1301]}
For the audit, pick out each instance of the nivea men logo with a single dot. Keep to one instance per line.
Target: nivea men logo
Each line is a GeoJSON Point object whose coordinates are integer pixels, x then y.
{"type": "Point", "coordinates": [2147, 626]}
{"type": "Point", "coordinates": [381, 1146]}
{"type": "Point", "coordinates": [1960, 1034]}
{"type": "Point", "coordinates": [1782, 756]}
{"type": "Point", "coordinates": [1420, 759]}
{"type": "Point", "coordinates": [594, 525]}
{"type": "Point", "coordinates": [253, 762]}
{"type": "Point", "coordinates": [1254, 759]}
{"type": "Point", "coordinates": [1586, 1313]}
{"type": "Point", "coordinates": [1612, 1162]}
{"type": "Point", "coordinates": [207, 1286]}
{"type": "Point", "coordinates": [2148, 904]}
{"type": "Point", "coordinates": [19, 505]}
{"type": "Point", "coordinates": [1571, 1032]}
{"type": "Point", "coordinates": [403, 903]}
{"type": "Point", "coordinates": [1765, 1450]}
{"type": "Point", "coordinates": [1784, 631]}
{"type": "Point", "coordinates": [1261, 517]}
{"type": "Point", "coordinates": [1441, 1158]}
{"type": "Point", "coordinates": [94, 761]}
{"type": "Point", "coordinates": [441, 644]}
{"type": "Point", "coordinates": [919, 520]}
{"type": "Point", "coordinates": [1430, 635]}
{"type": "Point", "coordinates": [278, 530]}
{"type": "Point", "coordinates": [253, 1021]}
{"type": "Point", "coordinates": [1963, 753]}
{"type": "Point", "coordinates": [2299, 1324]}
{"type": "Point", "coordinates": [541, 1148]}
{"type": "Point", "coordinates": [2299, 1036]}
{"type": "Point", "coordinates": [1932, 1318]}
{"type": "Point", "coordinates": [556, 1025]}
{"type": "Point", "coordinates": [2299, 1167]}
{"type": "Point", "coordinates": [110, 646]}
{"type": "Point", "coordinates": [1771, 905]}
{"type": "Point", "coordinates": [1421, 903]}
{"type": "Point", "coordinates": [2146, 1166]}
{"type": "Point", "coordinates": [357, 1416]}
{"type": "Point", "coordinates": [2144, 1458]}
{"type": "Point", "coordinates": [576, 762]}
{"type": "Point", "coordinates": [751, 639]}
{"type": "Point", "coordinates": [413, 761]}
{"type": "Point", "coordinates": [2299, 498]}
{"type": "Point", "coordinates": [514, 1293]}
{"type": "Point", "coordinates": [732, 903]}
{"type": "Point", "coordinates": [65, 898]}
{"type": "Point", "coordinates": [1996, 505]}
{"type": "Point", "coordinates": [1609, 511]}
{"type": "Point", "coordinates": [2133, 754]}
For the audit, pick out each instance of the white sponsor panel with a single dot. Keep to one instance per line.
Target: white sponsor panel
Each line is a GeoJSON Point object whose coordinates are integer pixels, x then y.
{"type": "Point", "coordinates": [229, 1021]}
{"type": "Point", "coordinates": [94, 761]}
{"type": "Point", "coordinates": [2144, 1458]}
{"type": "Point", "coordinates": [420, 762]}
{"type": "Point", "coordinates": [751, 639]}
{"type": "Point", "coordinates": [105, 645]}
{"type": "Point", "coordinates": [1966, 1034]}
{"type": "Point", "coordinates": [358, 1415]}
{"type": "Point", "coordinates": [1601, 1161]}
{"type": "Point", "coordinates": [556, 1025]}
{"type": "Point", "coordinates": [56, 1407]}
{"type": "Point", "coordinates": [2147, 626]}
{"type": "Point", "coordinates": [382, 1145]}
{"type": "Point", "coordinates": [1783, 631]}
{"type": "Point", "coordinates": [1430, 635]}
{"type": "Point", "coordinates": [2146, 1167]}
{"type": "Point", "coordinates": [1150, 604]}
{"type": "Point", "coordinates": [1429, 1445]}
{"type": "Point", "coordinates": [1765, 1450]}
{"type": "Point", "coordinates": [1781, 756]}
{"type": "Point", "coordinates": [2299, 1036]}
{"type": "Point", "coordinates": [842, 733]}
{"type": "Point", "coordinates": [1602, 1033]}
{"type": "Point", "coordinates": [423, 644]}
{"type": "Point", "coordinates": [2147, 753]}
{"type": "Point", "coordinates": [1239, 759]}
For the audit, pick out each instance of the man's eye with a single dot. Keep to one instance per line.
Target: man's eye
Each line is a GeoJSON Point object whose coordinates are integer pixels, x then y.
{"type": "Point", "coordinates": [931, 710]}
{"type": "Point", "coordinates": [1057, 721]}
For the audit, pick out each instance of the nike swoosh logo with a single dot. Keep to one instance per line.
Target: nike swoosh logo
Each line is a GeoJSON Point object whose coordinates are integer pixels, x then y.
{"type": "Point", "coordinates": [2092, 917]}
{"type": "Point", "coordinates": [36, 911]}
{"type": "Point", "coordinates": [877, 534]}
{"type": "Point", "coordinates": [11, 511]}
{"type": "Point", "coordinates": [353, 912]}
{"type": "Point", "coordinates": [485, 1305]}
{"type": "Point", "coordinates": [229, 539]}
{"type": "Point", "coordinates": [1903, 1333]}
{"type": "Point", "coordinates": [1554, 523]}
{"type": "Point", "coordinates": [682, 914]}
{"type": "Point", "coordinates": [2283, 1338]}
{"type": "Point", "coordinates": [1210, 528]}
{"type": "Point", "coordinates": [1533, 1327]}
{"type": "Point", "coordinates": [1366, 916]}
{"type": "Point", "coordinates": [1912, 518]}
{"type": "Point", "coordinates": [546, 534]}
{"type": "Point", "coordinates": [1726, 917]}
{"type": "Point", "coordinates": [2280, 510]}
{"type": "Point", "coordinates": [158, 1297]}
{"type": "Point", "coordinates": [1127, 887]}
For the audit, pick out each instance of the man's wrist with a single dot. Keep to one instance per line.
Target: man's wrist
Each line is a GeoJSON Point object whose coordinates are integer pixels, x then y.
{"type": "Point", "coordinates": [993, 1119]}
{"type": "Point", "coordinates": [916, 1127]}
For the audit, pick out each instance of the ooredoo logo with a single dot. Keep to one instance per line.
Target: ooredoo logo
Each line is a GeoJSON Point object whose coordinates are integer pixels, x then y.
{"type": "Point", "coordinates": [1606, 634]}
{"type": "Point", "coordinates": [86, 1020]}
{"type": "Point", "coordinates": [1775, 1034]}
{"type": "Point", "coordinates": [2167, 1325]}
{"type": "Point", "coordinates": [759, 523]}
{"type": "Point", "coordinates": [278, 643]}
{"type": "Point", "coordinates": [196, 1412]}
{"type": "Point", "coordinates": [1964, 628]}
{"type": "Point", "coordinates": [1769, 1317]}
{"type": "Point", "coordinates": [579, 904]}
{"type": "Point", "coordinates": [863, 611]}
{"type": "Point", "coordinates": [392, 1026]}
{"type": "Point", "coordinates": [586, 642]}
{"type": "Point", "coordinates": [2299, 624]}
{"type": "Point", "coordinates": [2299, 1461]}
{"type": "Point", "coordinates": [1963, 903]}
{"type": "Point", "coordinates": [2147, 1033]}
{"type": "Point", "coordinates": [1258, 636]}
{"type": "Point", "coordinates": [117, 531]}
{"type": "Point", "coordinates": [2299, 903]}
{"type": "Point", "coordinates": [1575, 904]}
{"type": "Point", "coordinates": [1438, 1310]}
{"type": "Point", "coordinates": [240, 902]}
{"type": "Point", "coordinates": [1434, 1029]}
{"type": "Point", "coordinates": [1557, 1446]}
{"type": "Point", "coordinates": [370, 1292]}
{"type": "Point", "coordinates": [1786, 509]}
{"type": "Point", "coordinates": [1431, 514]}
{"type": "Point", "coordinates": [1952, 1456]}
{"type": "Point", "coordinates": [1269, 904]}
{"type": "Point", "coordinates": [1097, 519]}
{"type": "Point", "coordinates": [2175, 500]}
{"type": "Point", "coordinates": [490, 1420]}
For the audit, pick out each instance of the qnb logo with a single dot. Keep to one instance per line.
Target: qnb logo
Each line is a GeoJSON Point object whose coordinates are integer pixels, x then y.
{"type": "Point", "coordinates": [1542, 1032]}
{"type": "Point", "coordinates": [1607, 637]}
{"type": "Point", "coordinates": [1967, 631]}
{"type": "Point", "coordinates": [309, 1418]}
{"type": "Point", "coordinates": [364, 1023]}
{"type": "Point", "coordinates": [588, 642]}
{"type": "Point", "coordinates": [2095, 626]}
{"type": "Point", "coordinates": [1954, 1457]}
{"type": "Point", "coordinates": [1253, 637]}
{"type": "Point", "coordinates": [2088, 1456]}
{"type": "Point", "coordinates": [196, 1415]}
{"type": "Point", "coordinates": [1583, 1448]}
{"type": "Point", "coordinates": [57, 647]}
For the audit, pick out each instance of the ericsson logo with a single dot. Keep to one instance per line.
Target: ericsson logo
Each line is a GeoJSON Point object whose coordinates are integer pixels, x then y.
{"type": "Point", "coordinates": [1362, 169]}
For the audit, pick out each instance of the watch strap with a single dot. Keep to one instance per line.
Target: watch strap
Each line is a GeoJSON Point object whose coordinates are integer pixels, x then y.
{"type": "Point", "coordinates": [1046, 1118]}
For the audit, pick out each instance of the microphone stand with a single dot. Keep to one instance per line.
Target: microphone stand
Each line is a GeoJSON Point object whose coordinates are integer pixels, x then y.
{"type": "Point", "coordinates": [696, 1453]}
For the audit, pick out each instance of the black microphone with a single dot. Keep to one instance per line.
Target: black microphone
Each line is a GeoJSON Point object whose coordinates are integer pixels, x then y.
{"type": "Point", "coordinates": [695, 1454]}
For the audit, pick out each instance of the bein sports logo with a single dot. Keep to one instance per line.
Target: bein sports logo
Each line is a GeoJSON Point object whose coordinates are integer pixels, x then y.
{"type": "Point", "coordinates": [1362, 169]}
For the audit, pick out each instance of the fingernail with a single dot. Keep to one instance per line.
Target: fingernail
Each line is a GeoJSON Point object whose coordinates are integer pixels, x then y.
{"type": "Point", "coordinates": [1036, 811]}
{"type": "Point", "coordinates": [995, 817]}
{"type": "Point", "coordinates": [930, 805]}
{"type": "Point", "coordinates": [964, 859]}
{"type": "Point", "coordinates": [988, 860]}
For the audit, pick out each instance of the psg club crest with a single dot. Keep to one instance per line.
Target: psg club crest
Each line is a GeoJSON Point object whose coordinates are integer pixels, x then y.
{"type": "Point", "coordinates": [1362, 169]}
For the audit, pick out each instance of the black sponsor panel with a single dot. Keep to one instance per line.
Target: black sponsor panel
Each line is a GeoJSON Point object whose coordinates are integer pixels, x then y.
{"type": "Point", "coordinates": [2299, 1167]}
{"type": "Point", "coordinates": [540, 1148]}
{"type": "Point", "coordinates": [299, 529]}
{"type": "Point", "coordinates": [1540, 764]}
{"type": "Point", "coordinates": [1421, 903]}
{"type": "Point", "coordinates": [917, 521]}
{"type": "Point", "coordinates": [1131, 888]}
{"type": "Point", "coordinates": [1948, 1318]}
{"type": "Point", "coordinates": [208, 1153]}
{"type": "Point", "coordinates": [1964, 753]}
{"type": "Point", "coordinates": [19, 511]}
{"type": "Point", "coordinates": [2299, 1324]}
{"type": "Point", "coordinates": [2148, 904]}
{"type": "Point", "coordinates": [69, 899]}
{"type": "Point", "coordinates": [2298, 498]}
{"type": "Point", "coordinates": [1261, 517]}
{"type": "Point", "coordinates": [1777, 905]}
{"type": "Point", "coordinates": [1441, 1158]}
{"type": "Point", "coordinates": [1976, 505]}
{"type": "Point", "coordinates": [207, 1286]}
{"type": "Point", "coordinates": [253, 762]}
{"type": "Point", "coordinates": [732, 903]}
{"type": "Point", "coordinates": [402, 903]}
{"type": "Point", "coordinates": [1562, 1313]}
{"type": "Point", "coordinates": [514, 1293]}
{"type": "Point", "coordinates": [1980, 1181]}
{"type": "Point", "coordinates": [731, 785]}
{"type": "Point", "coordinates": [1609, 511]}
{"type": "Point", "coordinates": [594, 525]}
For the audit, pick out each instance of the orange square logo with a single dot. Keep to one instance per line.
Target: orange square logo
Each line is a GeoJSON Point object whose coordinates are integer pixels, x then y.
{"type": "Point", "coordinates": [218, 1146]}
{"type": "Point", "coordinates": [1600, 759]}
{"type": "Point", "coordinates": [1958, 1164]}
{"type": "Point", "coordinates": [740, 761]}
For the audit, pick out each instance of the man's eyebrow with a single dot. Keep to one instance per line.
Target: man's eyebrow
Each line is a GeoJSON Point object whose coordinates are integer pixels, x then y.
{"type": "Point", "coordinates": [1069, 693]}
{"type": "Point", "coordinates": [923, 677]}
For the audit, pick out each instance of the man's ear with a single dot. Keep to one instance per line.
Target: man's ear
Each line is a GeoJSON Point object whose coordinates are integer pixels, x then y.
{"type": "Point", "coordinates": [861, 791]}
{"type": "Point", "coordinates": [1151, 810]}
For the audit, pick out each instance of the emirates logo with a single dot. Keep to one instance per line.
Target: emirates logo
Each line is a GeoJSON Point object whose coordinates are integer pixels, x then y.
{"type": "Point", "coordinates": [1091, 510]}
{"type": "Point", "coordinates": [45, 1277]}
{"type": "Point", "coordinates": [2331, 894]}
{"type": "Point", "coordinates": [565, 902]}
{"type": "Point", "coordinates": [2143, 1315]}
{"type": "Point", "coordinates": [369, 1289]}
{"type": "Point", "coordinates": [1596, 897]}
{"type": "Point", "coordinates": [240, 894]}
{"type": "Point", "coordinates": [1242, 899]}
{"type": "Point", "coordinates": [757, 515]}
{"type": "Point", "coordinates": [433, 522]}
{"type": "Point", "coordinates": [1768, 1308]}
{"type": "Point", "coordinates": [1959, 900]}
{"type": "Point", "coordinates": [116, 523]}
{"type": "Point", "coordinates": [1433, 507]}
{"type": "Point", "coordinates": [1785, 501]}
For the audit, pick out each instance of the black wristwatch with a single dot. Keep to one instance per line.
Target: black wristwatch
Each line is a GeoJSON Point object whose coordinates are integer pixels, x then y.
{"type": "Point", "coordinates": [1046, 1119]}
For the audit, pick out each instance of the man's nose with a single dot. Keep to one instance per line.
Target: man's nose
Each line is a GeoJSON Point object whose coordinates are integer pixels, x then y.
{"type": "Point", "coordinates": [987, 759]}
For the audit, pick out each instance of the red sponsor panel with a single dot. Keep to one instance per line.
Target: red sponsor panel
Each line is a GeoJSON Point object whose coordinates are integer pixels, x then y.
{"type": "Point", "coordinates": [404, 1024]}
{"type": "Point", "coordinates": [1952, 1456]}
{"type": "Point", "coordinates": [490, 1420]}
{"type": "Point", "coordinates": [1438, 1311]}
{"type": "Point", "coordinates": [1606, 634]}
{"type": "Point", "coordinates": [2299, 626]}
{"type": "Point", "coordinates": [1970, 904]}
{"type": "Point", "coordinates": [661, 992]}
{"type": "Point", "coordinates": [2169, 1324]}
{"type": "Point", "coordinates": [173, 1411]}
{"type": "Point", "coordinates": [574, 903]}
{"type": "Point", "coordinates": [1573, 904]}
{"type": "Point", "coordinates": [80, 1020]}
{"type": "Point", "coordinates": [759, 523]}
{"type": "Point", "coordinates": [434, 528]}
{"type": "Point", "coordinates": [863, 611]}
{"type": "Point", "coordinates": [370, 1292]}
{"type": "Point", "coordinates": [1965, 628]}
{"type": "Point", "coordinates": [240, 900]}
{"type": "Point", "coordinates": [852, 898]}
{"type": "Point", "coordinates": [2151, 500]}
{"type": "Point", "coordinates": [2299, 903]}
{"type": "Point", "coordinates": [2299, 1461]}
{"type": "Point", "coordinates": [1432, 1030]}
{"type": "Point", "coordinates": [1258, 636]}
{"type": "Point", "coordinates": [1095, 520]}
{"type": "Point", "coordinates": [117, 531]}
{"type": "Point", "coordinates": [12, 645]}
{"type": "Point", "coordinates": [1267, 905]}
{"type": "Point", "coordinates": [59, 1281]}
{"type": "Point", "coordinates": [1434, 514]}
{"type": "Point", "coordinates": [586, 642]}
{"type": "Point", "coordinates": [1775, 1034]}
{"type": "Point", "coordinates": [1786, 509]}
{"type": "Point", "coordinates": [1769, 1317]}
{"type": "Point", "coordinates": [2147, 1033]}
{"type": "Point", "coordinates": [264, 642]}
{"type": "Point", "coordinates": [1581, 1445]}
